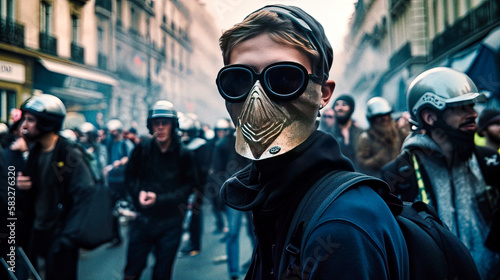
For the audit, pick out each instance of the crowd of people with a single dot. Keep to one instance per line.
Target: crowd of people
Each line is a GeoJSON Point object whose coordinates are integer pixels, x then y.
{"type": "Point", "coordinates": [259, 165]}
{"type": "Point", "coordinates": [152, 180]}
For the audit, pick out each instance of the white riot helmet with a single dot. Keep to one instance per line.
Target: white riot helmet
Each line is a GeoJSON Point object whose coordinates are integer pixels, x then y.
{"type": "Point", "coordinates": [438, 89]}
{"type": "Point", "coordinates": [162, 109]}
{"type": "Point", "coordinates": [377, 106]}
{"type": "Point", "coordinates": [114, 124]}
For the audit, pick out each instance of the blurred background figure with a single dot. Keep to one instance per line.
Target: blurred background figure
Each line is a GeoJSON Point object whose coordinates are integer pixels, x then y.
{"type": "Point", "coordinates": [119, 150]}
{"type": "Point", "coordinates": [222, 129]}
{"type": "Point", "coordinates": [89, 140]}
{"type": "Point", "coordinates": [132, 136]}
{"type": "Point", "coordinates": [381, 143]}
{"type": "Point", "coordinates": [226, 162]}
{"type": "Point", "coordinates": [488, 126]}
{"type": "Point", "coordinates": [403, 124]}
{"type": "Point", "coordinates": [327, 121]}
{"type": "Point", "coordinates": [191, 137]}
{"type": "Point", "coordinates": [345, 130]}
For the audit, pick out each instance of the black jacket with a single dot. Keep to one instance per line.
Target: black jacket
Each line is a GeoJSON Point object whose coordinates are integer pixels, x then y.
{"type": "Point", "coordinates": [70, 176]}
{"type": "Point", "coordinates": [401, 176]}
{"type": "Point", "coordinates": [372, 245]}
{"type": "Point", "coordinates": [171, 175]}
{"type": "Point", "coordinates": [400, 172]}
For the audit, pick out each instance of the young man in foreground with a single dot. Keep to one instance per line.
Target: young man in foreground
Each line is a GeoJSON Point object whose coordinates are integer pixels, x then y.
{"type": "Point", "coordinates": [275, 81]}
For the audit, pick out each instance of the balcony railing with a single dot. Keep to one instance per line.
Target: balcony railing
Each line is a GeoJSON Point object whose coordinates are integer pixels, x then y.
{"type": "Point", "coordinates": [77, 53]}
{"type": "Point", "coordinates": [48, 44]}
{"type": "Point", "coordinates": [11, 32]}
{"type": "Point", "coordinates": [102, 61]}
{"type": "Point", "coordinates": [473, 23]}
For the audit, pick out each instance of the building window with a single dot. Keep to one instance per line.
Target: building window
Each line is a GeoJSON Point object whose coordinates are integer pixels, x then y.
{"type": "Point", "coordinates": [45, 17]}
{"type": "Point", "coordinates": [101, 44]}
{"type": "Point", "coordinates": [135, 111]}
{"type": "Point", "coordinates": [148, 35]}
{"type": "Point", "coordinates": [467, 5]}
{"type": "Point", "coordinates": [134, 15]}
{"type": "Point", "coordinates": [76, 28]}
{"type": "Point", "coordinates": [118, 106]}
{"type": "Point", "coordinates": [446, 13]}
{"type": "Point", "coordinates": [456, 10]}
{"type": "Point", "coordinates": [7, 102]}
{"type": "Point", "coordinates": [7, 9]}
{"type": "Point", "coordinates": [119, 9]}
{"type": "Point", "coordinates": [435, 14]}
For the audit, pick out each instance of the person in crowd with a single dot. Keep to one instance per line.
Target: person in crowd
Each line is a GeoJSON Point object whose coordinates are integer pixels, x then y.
{"type": "Point", "coordinates": [381, 142]}
{"type": "Point", "coordinates": [119, 150]}
{"type": "Point", "coordinates": [191, 130]}
{"type": "Point", "coordinates": [5, 136]}
{"type": "Point", "coordinates": [275, 81]}
{"type": "Point", "coordinates": [58, 182]}
{"type": "Point", "coordinates": [216, 178]}
{"type": "Point", "coordinates": [160, 175]}
{"type": "Point", "coordinates": [327, 121]}
{"type": "Point", "coordinates": [403, 124]}
{"type": "Point", "coordinates": [15, 154]}
{"type": "Point", "coordinates": [444, 168]}
{"type": "Point", "coordinates": [488, 126]}
{"type": "Point", "coordinates": [345, 130]}
{"type": "Point", "coordinates": [132, 136]}
{"type": "Point", "coordinates": [89, 141]}
{"type": "Point", "coordinates": [226, 162]}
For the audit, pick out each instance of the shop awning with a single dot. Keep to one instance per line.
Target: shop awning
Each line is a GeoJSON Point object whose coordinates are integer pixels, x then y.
{"type": "Point", "coordinates": [77, 72]}
{"type": "Point", "coordinates": [74, 85]}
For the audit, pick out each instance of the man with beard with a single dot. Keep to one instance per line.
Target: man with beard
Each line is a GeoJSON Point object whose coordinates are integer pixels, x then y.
{"type": "Point", "coordinates": [160, 175]}
{"type": "Point", "coordinates": [275, 81]}
{"type": "Point", "coordinates": [58, 183]}
{"type": "Point", "coordinates": [381, 143]}
{"type": "Point", "coordinates": [443, 167]}
{"type": "Point", "coordinates": [345, 130]}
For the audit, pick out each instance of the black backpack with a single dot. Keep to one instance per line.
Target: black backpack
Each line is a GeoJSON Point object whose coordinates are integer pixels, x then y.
{"type": "Point", "coordinates": [94, 223]}
{"type": "Point", "coordinates": [434, 251]}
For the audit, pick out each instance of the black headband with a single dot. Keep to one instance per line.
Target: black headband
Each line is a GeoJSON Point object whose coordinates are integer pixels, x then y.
{"type": "Point", "coordinates": [314, 32]}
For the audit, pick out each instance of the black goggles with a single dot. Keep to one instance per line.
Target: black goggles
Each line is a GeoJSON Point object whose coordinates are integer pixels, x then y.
{"type": "Point", "coordinates": [281, 81]}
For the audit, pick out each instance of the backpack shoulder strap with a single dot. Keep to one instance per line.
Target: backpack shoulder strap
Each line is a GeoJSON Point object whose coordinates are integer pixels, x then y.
{"type": "Point", "coordinates": [316, 200]}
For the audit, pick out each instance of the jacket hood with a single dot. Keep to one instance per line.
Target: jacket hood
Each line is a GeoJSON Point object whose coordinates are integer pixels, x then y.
{"type": "Point", "coordinates": [268, 184]}
{"type": "Point", "coordinates": [421, 142]}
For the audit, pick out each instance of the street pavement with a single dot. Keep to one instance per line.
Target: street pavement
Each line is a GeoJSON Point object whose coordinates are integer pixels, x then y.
{"type": "Point", "coordinates": [106, 263]}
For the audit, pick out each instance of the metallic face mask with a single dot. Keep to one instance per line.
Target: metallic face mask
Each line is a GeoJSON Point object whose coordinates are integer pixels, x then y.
{"type": "Point", "coordinates": [266, 128]}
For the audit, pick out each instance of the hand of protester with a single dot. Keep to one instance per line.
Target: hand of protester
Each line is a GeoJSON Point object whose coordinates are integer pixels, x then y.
{"type": "Point", "coordinates": [147, 199]}
{"type": "Point", "coordinates": [117, 163]}
{"type": "Point", "coordinates": [19, 145]}
{"type": "Point", "coordinates": [23, 182]}
{"type": "Point", "coordinates": [90, 150]}
{"type": "Point", "coordinates": [107, 169]}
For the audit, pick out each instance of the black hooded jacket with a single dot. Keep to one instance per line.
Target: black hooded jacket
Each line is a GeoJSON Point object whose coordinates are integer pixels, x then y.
{"type": "Point", "coordinates": [273, 188]}
{"type": "Point", "coordinates": [172, 175]}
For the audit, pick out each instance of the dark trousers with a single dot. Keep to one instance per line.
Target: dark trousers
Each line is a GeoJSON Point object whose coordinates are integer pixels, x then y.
{"type": "Point", "coordinates": [196, 225]}
{"type": "Point", "coordinates": [162, 237]}
{"type": "Point", "coordinates": [60, 255]}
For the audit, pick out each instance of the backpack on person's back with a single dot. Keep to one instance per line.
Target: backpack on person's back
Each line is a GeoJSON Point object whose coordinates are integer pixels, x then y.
{"type": "Point", "coordinates": [434, 251]}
